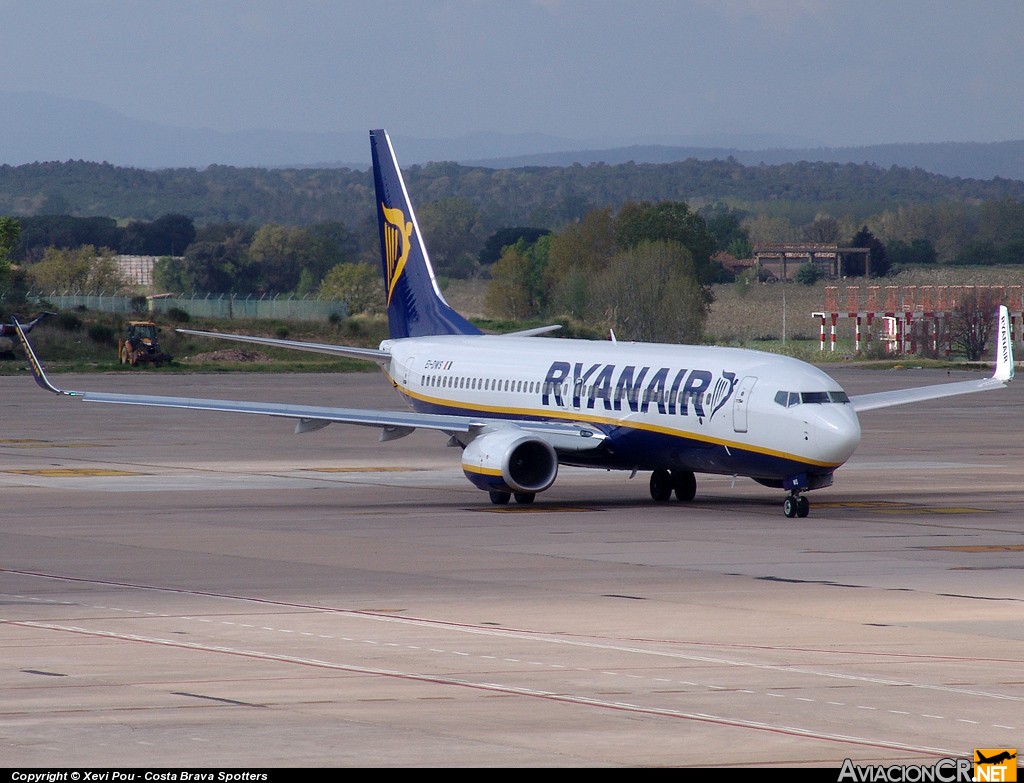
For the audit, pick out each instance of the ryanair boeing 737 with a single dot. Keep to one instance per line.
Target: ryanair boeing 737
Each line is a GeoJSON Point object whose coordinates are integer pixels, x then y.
{"type": "Point", "coordinates": [520, 405]}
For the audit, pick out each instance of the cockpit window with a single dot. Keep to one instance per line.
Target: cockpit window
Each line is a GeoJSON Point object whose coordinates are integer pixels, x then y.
{"type": "Point", "coordinates": [813, 397]}
{"type": "Point", "coordinates": [788, 399]}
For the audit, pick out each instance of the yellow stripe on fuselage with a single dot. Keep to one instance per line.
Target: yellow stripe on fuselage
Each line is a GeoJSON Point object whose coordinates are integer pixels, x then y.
{"type": "Point", "coordinates": [547, 413]}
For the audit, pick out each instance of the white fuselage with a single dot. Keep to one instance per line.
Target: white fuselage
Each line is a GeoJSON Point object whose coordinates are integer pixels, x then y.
{"type": "Point", "coordinates": [701, 408]}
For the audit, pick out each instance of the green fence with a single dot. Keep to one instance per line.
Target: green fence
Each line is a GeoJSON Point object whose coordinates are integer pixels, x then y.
{"type": "Point", "coordinates": [197, 305]}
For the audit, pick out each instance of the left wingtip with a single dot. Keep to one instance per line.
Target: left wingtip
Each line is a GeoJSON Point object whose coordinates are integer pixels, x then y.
{"type": "Point", "coordinates": [37, 369]}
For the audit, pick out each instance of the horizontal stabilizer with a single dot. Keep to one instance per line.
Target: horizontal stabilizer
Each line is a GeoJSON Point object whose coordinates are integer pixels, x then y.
{"type": "Point", "coordinates": [532, 332]}
{"type": "Point", "coordinates": [371, 354]}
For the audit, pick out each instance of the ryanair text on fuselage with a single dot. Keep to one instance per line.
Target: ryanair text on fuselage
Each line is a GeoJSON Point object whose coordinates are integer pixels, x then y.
{"type": "Point", "coordinates": [670, 391]}
{"type": "Point", "coordinates": [638, 388]}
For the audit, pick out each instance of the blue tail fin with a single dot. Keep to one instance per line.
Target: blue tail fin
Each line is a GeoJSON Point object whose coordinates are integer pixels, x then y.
{"type": "Point", "coordinates": [416, 307]}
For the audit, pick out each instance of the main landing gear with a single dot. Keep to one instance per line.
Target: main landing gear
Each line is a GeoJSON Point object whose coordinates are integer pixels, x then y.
{"type": "Point", "coordinates": [502, 498]}
{"type": "Point", "coordinates": [796, 505]}
{"type": "Point", "coordinates": [665, 482]}
{"type": "Point", "coordinates": [684, 484]}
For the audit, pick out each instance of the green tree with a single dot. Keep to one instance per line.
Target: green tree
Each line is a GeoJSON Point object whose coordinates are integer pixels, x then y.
{"type": "Point", "coordinates": [947, 226]}
{"type": "Point", "coordinates": [452, 230]}
{"type": "Point", "coordinates": [281, 253]}
{"type": "Point", "coordinates": [516, 289]}
{"type": "Point", "coordinates": [168, 235]}
{"type": "Point", "coordinates": [917, 252]}
{"type": "Point", "coordinates": [357, 285]}
{"type": "Point", "coordinates": [740, 248]}
{"type": "Point", "coordinates": [81, 269]}
{"type": "Point", "coordinates": [725, 224]}
{"type": "Point", "coordinates": [977, 253]}
{"type": "Point", "coordinates": [808, 274]}
{"type": "Point", "coordinates": [855, 266]}
{"type": "Point", "coordinates": [336, 243]}
{"type": "Point", "coordinates": [767, 229]}
{"type": "Point", "coordinates": [1001, 221]}
{"type": "Point", "coordinates": [823, 229]}
{"type": "Point", "coordinates": [504, 237]}
{"type": "Point", "coordinates": [651, 292]}
{"type": "Point", "coordinates": [643, 221]}
{"type": "Point", "coordinates": [168, 276]}
{"type": "Point", "coordinates": [209, 267]}
{"type": "Point", "coordinates": [575, 257]}
{"type": "Point", "coordinates": [508, 292]}
{"type": "Point", "coordinates": [10, 233]}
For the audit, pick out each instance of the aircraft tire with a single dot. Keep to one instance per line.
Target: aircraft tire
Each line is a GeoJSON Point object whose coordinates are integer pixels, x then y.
{"type": "Point", "coordinates": [803, 507]}
{"type": "Point", "coordinates": [661, 485]}
{"type": "Point", "coordinates": [500, 498]}
{"type": "Point", "coordinates": [525, 498]}
{"type": "Point", "coordinates": [685, 485]}
{"type": "Point", "coordinates": [789, 506]}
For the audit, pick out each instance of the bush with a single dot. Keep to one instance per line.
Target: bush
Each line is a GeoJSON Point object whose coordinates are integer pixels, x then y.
{"type": "Point", "coordinates": [69, 322]}
{"type": "Point", "coordinates": [103, 334]}
{"type": "Point", "coordinates": [178, 316]}
{"type": "Point", "coordinates": [808, 274]}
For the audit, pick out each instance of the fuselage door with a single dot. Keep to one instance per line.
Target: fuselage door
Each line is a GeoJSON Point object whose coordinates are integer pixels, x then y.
{"type": "Point", "coordinates": [408, 373]}
{"type": "Point", "coordinates": [741, 402]}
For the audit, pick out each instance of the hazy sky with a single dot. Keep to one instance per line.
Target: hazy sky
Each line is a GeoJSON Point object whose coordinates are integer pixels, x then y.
{"type": "Point", "coordinates": [834, 72]}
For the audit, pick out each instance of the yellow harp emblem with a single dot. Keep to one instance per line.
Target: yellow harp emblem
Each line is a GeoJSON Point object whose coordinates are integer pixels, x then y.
{"type": "Point", "coordinates": [397, 231]}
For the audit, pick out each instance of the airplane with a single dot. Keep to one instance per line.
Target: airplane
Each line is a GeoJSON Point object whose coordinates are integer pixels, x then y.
{"type": "Point", "coordinates": [999, 758]}
{"type": "Point", "coordinates": [520, 405]}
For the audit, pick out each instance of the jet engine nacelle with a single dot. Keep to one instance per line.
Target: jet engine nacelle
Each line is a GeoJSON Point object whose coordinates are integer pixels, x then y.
{"type": "Point", "coordinates": [510, 460]}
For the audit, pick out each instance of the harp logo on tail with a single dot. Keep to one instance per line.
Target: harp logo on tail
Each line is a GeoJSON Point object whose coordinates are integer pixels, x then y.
{"type": "Point", "coordinates": [397, 233]}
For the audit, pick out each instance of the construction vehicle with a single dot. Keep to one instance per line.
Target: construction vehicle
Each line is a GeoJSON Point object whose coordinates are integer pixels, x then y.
{"type": "Point", "coordinates": [140, 345]}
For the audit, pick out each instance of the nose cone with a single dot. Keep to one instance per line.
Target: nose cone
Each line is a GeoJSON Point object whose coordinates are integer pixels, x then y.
{"type": "Point", "coordinates": [836, 433]}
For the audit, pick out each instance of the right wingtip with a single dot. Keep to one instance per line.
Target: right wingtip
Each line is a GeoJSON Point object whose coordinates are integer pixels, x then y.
{"type": "Point", "coordinates": [1004, 348]}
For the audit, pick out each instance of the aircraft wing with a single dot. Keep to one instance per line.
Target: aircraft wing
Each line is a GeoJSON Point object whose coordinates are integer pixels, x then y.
{"type": "Point", "coordinates": [565, 436]}
{"type": "Point", "coordinates": [1003, 375]}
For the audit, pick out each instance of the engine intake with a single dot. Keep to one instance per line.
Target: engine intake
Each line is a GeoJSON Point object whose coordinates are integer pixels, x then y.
{"type": "Point", "coordinates": [510, 460]}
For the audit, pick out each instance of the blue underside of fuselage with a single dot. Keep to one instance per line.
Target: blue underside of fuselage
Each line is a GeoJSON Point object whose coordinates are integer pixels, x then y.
{"type": "Point", "coordinates": [629, 448]}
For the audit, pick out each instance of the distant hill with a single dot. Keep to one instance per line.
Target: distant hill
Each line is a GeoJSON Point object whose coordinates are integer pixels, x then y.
{"type": "Point", "coordinates": [535, 196]}
{"type": "Point", "coordinates": [969, 160]}
{"type": "Point", "coordinates": [39, 128]}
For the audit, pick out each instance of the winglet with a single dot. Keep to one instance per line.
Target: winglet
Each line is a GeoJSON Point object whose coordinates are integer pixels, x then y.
{"type": "Point", "coordinates": [37, 369]}
{"type": "Point", "coordinates": [1004, 348]}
